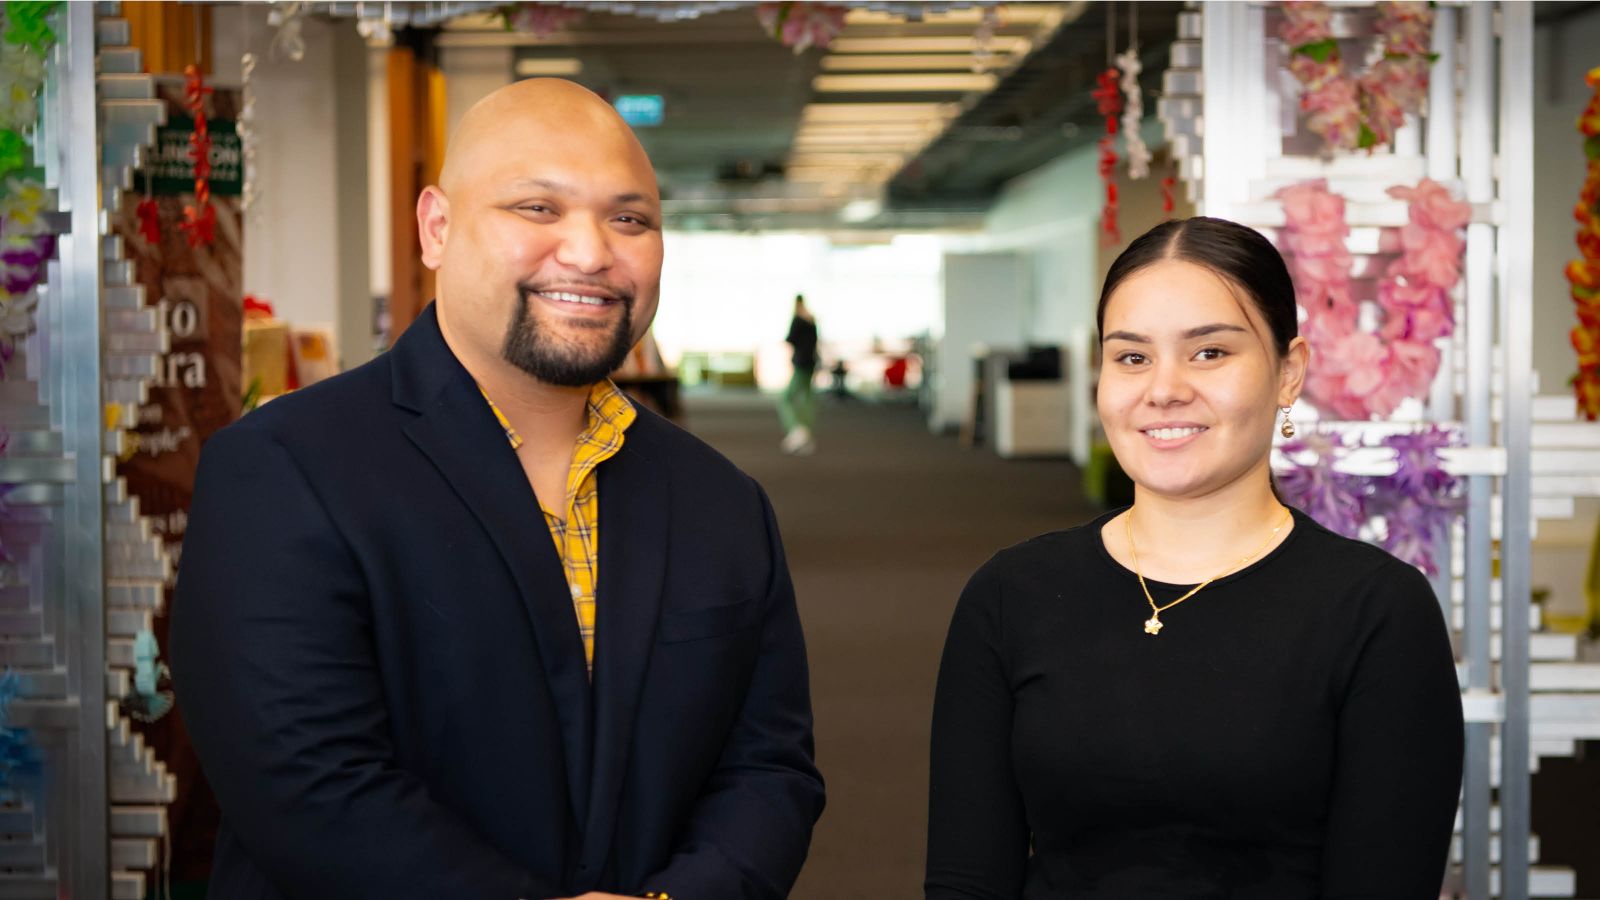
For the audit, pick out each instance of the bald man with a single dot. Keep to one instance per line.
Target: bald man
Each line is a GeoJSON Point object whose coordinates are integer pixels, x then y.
{"type": "Point", "coordinates": [465, 623]}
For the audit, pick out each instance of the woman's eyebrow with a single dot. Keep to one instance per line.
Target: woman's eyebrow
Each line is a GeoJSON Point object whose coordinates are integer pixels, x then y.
{"type": "Point", "coordinates": [1191, 334]}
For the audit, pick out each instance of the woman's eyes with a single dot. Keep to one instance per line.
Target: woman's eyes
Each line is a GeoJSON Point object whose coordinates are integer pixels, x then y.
{"type": "Point", "coordinates": [1207, 354]}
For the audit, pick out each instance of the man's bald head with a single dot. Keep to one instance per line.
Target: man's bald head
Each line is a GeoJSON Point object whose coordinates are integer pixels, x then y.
{"type": "Point", "coordinates": [526, 115]}
{"type": "Point", "coordinates": [545, 231]}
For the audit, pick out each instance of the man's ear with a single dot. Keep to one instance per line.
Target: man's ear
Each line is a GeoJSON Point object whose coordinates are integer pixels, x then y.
{"type": "Point", "coordinates": [433, 224]}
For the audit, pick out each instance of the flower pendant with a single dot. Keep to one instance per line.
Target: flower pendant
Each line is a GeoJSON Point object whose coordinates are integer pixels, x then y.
{"type": "Point", "coordinates": [1152, 625]}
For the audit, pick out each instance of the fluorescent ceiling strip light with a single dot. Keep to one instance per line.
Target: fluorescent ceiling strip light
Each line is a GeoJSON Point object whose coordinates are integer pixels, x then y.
{"type": "Point", "coordinates": [805, 151]}
{"type": "Point", "coordinates": [997, 44]}
{"type": "Point", "coordinates": [883, 84]}
{"type": "Point", "coordinates": [875, 129]}
{"type": "Point", "coordinates": [532, 66]}
{"type": "Point", "coordinates": [867, 140]}
{"type": "Point", "coordinates": [821, 158]}
{"type": "Point", "coordinates": [904, 62]}
{"type": "Point", "coordinates": [857, 148]}
{"type": "Point", "coordinates": [815, 113]}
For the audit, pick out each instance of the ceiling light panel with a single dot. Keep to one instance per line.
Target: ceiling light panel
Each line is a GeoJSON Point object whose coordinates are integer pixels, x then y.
{"type": "Point", "coordinates": [921, 83]}
{"type": "Point", "coordinates": [529, 67]}
{"type": "Point", "coordinates": [878, 112]}
{"type": "Point", "coordinates": [824, 159]}
{"type": "Point", "coordinates": [907, 62]}
{"type": "Point", "coordinates": [997, 44]}
{"type": "Point", "coordinates": [903, 129]}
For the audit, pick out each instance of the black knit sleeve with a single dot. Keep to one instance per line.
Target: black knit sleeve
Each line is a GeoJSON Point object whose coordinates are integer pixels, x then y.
{"type": "Point", "coordinates": [977, 829]}
{"type": "Point", "coordinates": [1397, 774]}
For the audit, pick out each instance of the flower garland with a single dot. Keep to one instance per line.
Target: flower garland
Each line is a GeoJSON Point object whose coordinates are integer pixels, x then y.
{"type": "Point", "coordinates": [21, 763]}
{"type": "Point", "coordinates": [199, 218]}
{"type": "Point", "coordinates": [799, 25]}
{"type": "Point", "coordinates": [1415, 505]}
{"type": "Point", "coordinates": [538, 19]}
{"type": "Point", "coordinates": [1359, 111]}
{"type": "Point", "coordinates": [288, 40]}
{"type": "Point", "coordinates": [1362, 374]}
{"type": "Point", "coordinates": [1108, 96]}
{"type": "Point", "coordinates": [245, 125]}
{"type": "Point", "coordinates": [25, 248]}
{"type": "Point", "coordinates": [1133, 114]}
{"type": "Point", "coordinates": [1584, 273]}
{"type": "Point", "coordinates": [27, 37]}
{"type": "Point", "coordinates": [27, 24]}
{"type": "Point", "coordinates": [983, 40]}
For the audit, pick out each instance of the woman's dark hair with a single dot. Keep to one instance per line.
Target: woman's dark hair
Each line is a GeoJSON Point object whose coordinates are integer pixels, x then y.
{"type": "Point", "coordinates": [1240, 255]}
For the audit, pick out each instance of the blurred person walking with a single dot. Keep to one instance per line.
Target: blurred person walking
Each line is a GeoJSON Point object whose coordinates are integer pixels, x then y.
{"type": "Point", "coordinates": [798, 406]}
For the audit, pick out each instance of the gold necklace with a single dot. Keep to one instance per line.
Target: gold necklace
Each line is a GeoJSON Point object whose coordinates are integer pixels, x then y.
{"type": "Point", "coordinates": [1152, 625]}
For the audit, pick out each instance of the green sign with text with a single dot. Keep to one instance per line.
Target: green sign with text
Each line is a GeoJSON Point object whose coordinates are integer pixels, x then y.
{"type": "Point", "coordinates": [171, 171]}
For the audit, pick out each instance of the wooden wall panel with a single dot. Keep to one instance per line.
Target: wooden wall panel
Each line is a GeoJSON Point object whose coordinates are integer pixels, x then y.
{"type": "Point", "coordinates": [171, 35]}
{"type": "Point", "coordinates": [417, 124]}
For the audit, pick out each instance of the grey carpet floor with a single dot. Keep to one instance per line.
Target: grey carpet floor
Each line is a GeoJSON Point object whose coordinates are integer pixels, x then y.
{"type": "Point", "coordinates": [882, 526]}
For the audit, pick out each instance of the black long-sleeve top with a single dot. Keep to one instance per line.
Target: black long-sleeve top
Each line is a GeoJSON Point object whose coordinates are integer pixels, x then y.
{"type": "Point", "coordinates": [803, 335]}
{"type": "Point", "coordinates": [1294, 731]}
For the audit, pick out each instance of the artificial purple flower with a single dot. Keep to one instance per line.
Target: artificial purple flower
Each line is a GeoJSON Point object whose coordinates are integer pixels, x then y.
{"type": "Point", "coordinates": [1410, 533]}
{"type": "Point", "coordinates": [1419, 469]}
{"type": "Point", "coordinates": [1419, 501]}
{"type": "Point", "coordinates": [1331, 497]}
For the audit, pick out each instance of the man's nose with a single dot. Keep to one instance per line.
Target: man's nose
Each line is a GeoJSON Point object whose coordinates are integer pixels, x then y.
{"type": "Point", "coordinates": [585, 245]}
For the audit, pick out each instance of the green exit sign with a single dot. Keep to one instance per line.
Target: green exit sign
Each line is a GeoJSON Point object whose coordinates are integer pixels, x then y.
{"type": "Point", "coordinates": [641, 110]}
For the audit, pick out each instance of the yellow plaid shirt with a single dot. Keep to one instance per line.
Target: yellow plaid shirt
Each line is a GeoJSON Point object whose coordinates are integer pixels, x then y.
{"type": "Point", "coordinates": [576, 526]}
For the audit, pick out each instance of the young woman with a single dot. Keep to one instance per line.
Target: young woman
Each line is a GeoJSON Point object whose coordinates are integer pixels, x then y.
{"type": "Point", "coordinates": [1204, 695]}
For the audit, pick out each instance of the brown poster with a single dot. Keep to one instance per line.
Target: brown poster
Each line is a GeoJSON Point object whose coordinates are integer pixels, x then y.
{"type": "Point", "coordinates": [198, 291]}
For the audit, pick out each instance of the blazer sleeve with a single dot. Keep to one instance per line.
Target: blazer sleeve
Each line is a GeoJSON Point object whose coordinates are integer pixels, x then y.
{"type": "Point", "coordinates": [274, 661]}
{"type": "Point", "coordinates": [751, 827]}
{"type": "Point", "coordinates": [1397, 772]}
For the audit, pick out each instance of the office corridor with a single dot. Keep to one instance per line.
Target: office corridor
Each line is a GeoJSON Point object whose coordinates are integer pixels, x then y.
{"type": "Point", "coordinates": [882, 526]}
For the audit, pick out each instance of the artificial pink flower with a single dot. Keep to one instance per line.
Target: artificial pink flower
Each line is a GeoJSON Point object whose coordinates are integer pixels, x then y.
{"type": "Point", "coordinates": [804, 24]}
{"type": "Point", "coordinates": [1415, 311]}
{"type": "Point", "coordinates": [1431, 255]}
{"type": "Point", "coordinates": [1304, 23]}
{"type": "Point", "coordinates": [540, 19]}
{"type": "Point", "coordinates": [1432, 205]}
{"type": "Point", "coordinates": [1312, 209]}
{"type": "Point", "coordinates": [1361, 358]}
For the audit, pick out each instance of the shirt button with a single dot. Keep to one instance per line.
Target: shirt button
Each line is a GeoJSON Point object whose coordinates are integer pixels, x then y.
{"type": "Point", "coordinates": [576, 591]}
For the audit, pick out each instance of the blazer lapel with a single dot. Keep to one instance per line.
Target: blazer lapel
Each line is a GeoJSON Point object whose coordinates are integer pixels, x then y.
{"type": "Point", "coordinates": [633, 557]}
{"type": "Point", "coordinates": [459, 434]}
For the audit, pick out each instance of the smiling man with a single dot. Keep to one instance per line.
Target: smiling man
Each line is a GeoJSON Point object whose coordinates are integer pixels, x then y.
{"type": "Point", "coordinates": [463, 622]}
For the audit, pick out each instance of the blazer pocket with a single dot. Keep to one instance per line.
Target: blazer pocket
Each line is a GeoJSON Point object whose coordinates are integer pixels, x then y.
{"type": "Point", "coordinates": [711, 621]}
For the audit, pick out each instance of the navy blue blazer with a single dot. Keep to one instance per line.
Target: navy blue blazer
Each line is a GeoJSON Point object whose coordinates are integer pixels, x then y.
{"type": "Point", "coordinates": [376, 653]}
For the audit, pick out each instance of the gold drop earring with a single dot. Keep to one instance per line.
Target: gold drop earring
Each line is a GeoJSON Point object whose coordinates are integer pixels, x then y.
{"type": "Point", "coordinates": [1287, 428]}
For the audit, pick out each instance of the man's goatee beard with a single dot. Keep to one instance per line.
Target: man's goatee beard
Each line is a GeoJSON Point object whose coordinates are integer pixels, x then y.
{"type": "Point", "coordinates": [555, 361]}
